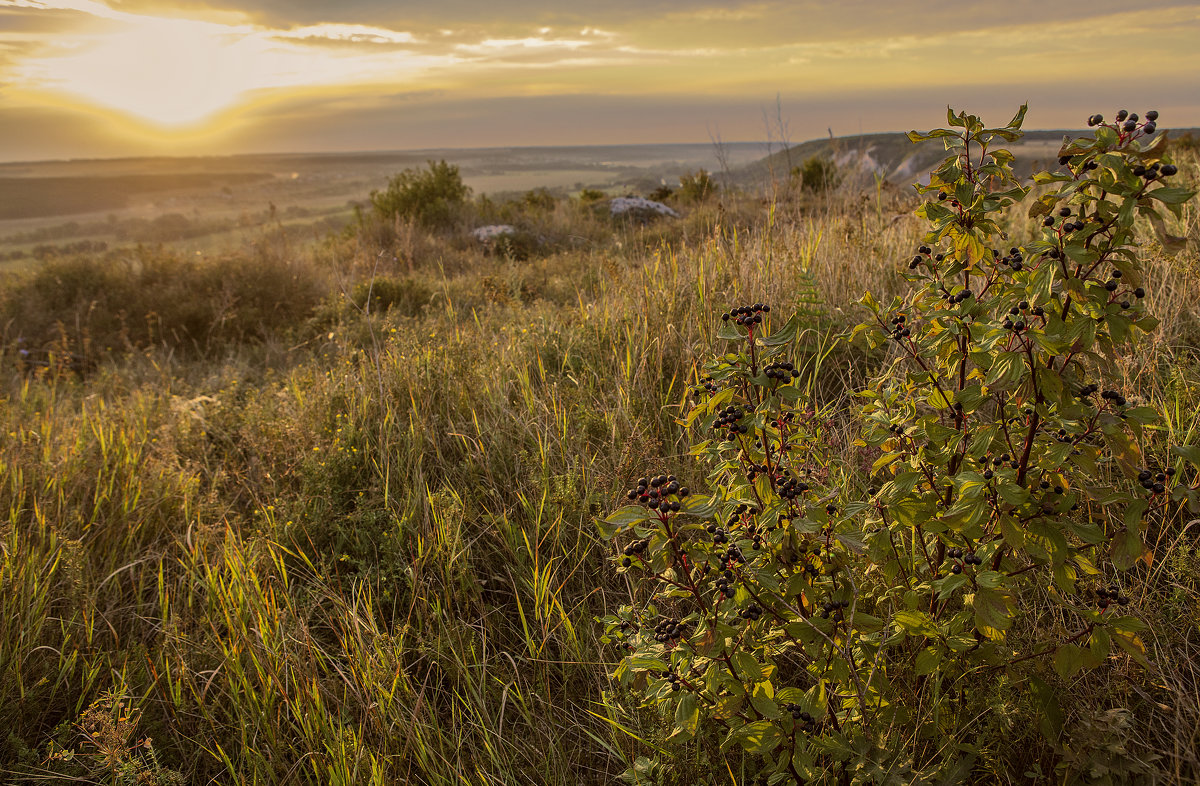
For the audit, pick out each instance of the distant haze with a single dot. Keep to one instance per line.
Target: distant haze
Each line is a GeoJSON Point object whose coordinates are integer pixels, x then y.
{"type": "Point", "coordinates": [85, 78]}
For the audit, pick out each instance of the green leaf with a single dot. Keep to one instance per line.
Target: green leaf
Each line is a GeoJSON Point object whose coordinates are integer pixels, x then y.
{"type": "Point", "coordinates": [700, 506]}
{"type": "Point", "coordinates": [867, 623]}
{"type": "Point", "coordinates": [1006, 369]}
{"type": "Point", "coordinates": [950, 584]}
{"type": "Point", "coordinates": [747, 667]}
{"type": "Point", "coordinates": [687, 718]}
{"type": "Point", "coordinates": [759, 737]}
{"type": "Point", "coordinates": [917, 136]}
{"type": "Point", "coordinates": [1050, 714]}
{"type": "Point", "coordinates": [762, 698]}
{"type": "Point", "coordinates": [937, 399]}
{"type": "Point", "coordinates": [1190, 453]}
{"type": "Point", "coordinates": [1171, 195]}
{"type": "Point", "coordinates": [645, 662]}
{"type": "Point", "coordinates": [784, 335]}
{"type": "Point", "coordinates": [916, 623]}
{"type": "Point", "coordinates": [1043, 205]}
{"type": "Point", "coordinates": [1131, 643]}
{"type": "Point", "coordinates": [621, 518]}
{"type": "Point", "coordinates": [1070, 659]}
{"type": "Point", "coordinates": [1013, 494]}
{"type": "Point", "coordinates": [1019, 117]}
{"type": "Point", "coordinates": [1127, 548]}
{"type": "Point", "coordinates": [728, 706]}
{"type": "Point", "coordinates": [993, 612]}
{"type": "Point", "coordinates": [1127, 454]}
{"type": "Point", "coordinates": [928, 661]}
{"type": "Point", "coordinates": [731, 332]}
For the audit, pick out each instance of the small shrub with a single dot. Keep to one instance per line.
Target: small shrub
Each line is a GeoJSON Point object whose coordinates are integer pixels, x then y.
{"type": "Point", "coordinates": [661, 194]}
{"type": "Point", "coordinates": [432, 198]}
{"type": "Point", "coordinates": [94, 306]}
{"type": "Point", "coordinates": [841, 628]}
{"type": "Point", "coordinates": [539, 200]}
{"type": "Point", "coordinates": [406, 296]}
{"type": "Point", "coordinates": [818, 174]}
{"type": "Point", "coordinates": [696, 186]}
{"type": "Point", "coordinates": [109, 749]}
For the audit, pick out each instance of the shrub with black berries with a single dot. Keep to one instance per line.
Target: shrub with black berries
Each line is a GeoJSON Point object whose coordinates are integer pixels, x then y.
{"type": "Point", "coordinates": [842, 628]}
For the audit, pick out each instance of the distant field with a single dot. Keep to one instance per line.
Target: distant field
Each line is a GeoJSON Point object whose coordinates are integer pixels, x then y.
{"type": "Point", "coordinates": [38, 197]}
{"type": "Point", "coordinates": [208, 203]}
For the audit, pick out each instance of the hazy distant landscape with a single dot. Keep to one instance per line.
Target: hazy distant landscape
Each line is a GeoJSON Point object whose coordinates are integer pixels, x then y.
{"type": "Point", "coordinates": [202, 204]}
{"type": "Point", "coordinates": [211, 203]}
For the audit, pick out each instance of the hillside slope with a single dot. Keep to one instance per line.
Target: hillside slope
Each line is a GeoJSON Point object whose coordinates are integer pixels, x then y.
{"type": "Point", "coordinates": [897, 159]}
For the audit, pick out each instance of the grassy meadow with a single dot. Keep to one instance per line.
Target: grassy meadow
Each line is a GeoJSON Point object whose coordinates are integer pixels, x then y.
{"type": "Point", "coordinates": [324, 512]}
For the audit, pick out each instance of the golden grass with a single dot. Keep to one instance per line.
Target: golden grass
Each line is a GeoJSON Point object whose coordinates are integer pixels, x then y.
{"type": "Point", "coordinates": [352, 546]}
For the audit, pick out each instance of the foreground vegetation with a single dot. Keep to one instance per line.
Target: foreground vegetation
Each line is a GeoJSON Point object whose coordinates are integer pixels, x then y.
{"type": "Point", "coordinates": [329, 515]}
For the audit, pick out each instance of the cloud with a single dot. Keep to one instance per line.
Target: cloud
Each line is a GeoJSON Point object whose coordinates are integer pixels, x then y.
{"type": "Point", "coordinates": [344, 34]}
{"type": "Point", "coordinates": [385, 74]}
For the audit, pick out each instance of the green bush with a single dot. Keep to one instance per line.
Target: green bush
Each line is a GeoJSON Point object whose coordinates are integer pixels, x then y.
{"type": "Point", "coordinates": [696, 186]}
{"type": "Point", "coordinates": [858, 616]}
{"type": "Point", "coordinates": [97, 306]}
{"type": "Point", "coordinates": [406, 296]}
{"type": "Point", "coordinates": [538, 200]}
{"type": "Point", "coordinates": [661, 194]}
{"type": "Point", "coordinates": [433, 197]}
{"type": "Point", "coordinates": [818, 174]}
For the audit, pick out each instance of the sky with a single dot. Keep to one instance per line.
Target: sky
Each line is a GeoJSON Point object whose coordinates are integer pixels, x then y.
{"type": "Point", "coordinates": [103, 78]}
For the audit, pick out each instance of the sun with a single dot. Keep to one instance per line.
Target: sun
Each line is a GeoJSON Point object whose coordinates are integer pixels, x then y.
{"type": "Point", "coordinates": [177, 74]}
{"type": "Point", "coordinates": [168, 72]}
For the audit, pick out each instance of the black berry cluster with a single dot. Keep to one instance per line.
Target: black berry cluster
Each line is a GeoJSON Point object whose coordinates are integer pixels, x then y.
{"type": "Point", "coordinates": [724, 584]}
{"type": "Point", "coordinates": [747, 316]}
{"type": "Point", "coordinates": [1108, 595]}
{"type": "Point", "coordinates": [782, 372]}
{"type": "Point", "coordinates": [1154, 171]}
{"type": "Point", "coordinates": [1155, 482]}
{"type": "Point", "coordinates": [1023, 308]}
{"type": "Point", "coordinates": [967, 558]}
{"type": "Point", "coordinates": [1002, 460]}
{"type": "Point", "coordinates": [751, 612]}
{"type": "Point", "coordinates": [654, 492]}
{"type": "Point", "coordinates": [632, 550]}
{"type": "Point", "coordinates": [1015, 326]}
{"type": "Point", "coordinates": [669, 630]}
{"type": "Point", "coordinates": [1014, 259]}
{"type": "Point", "coordinates": [957, 297]}
{"type": "Point", "coordinates": [802, 551]}
{"type": "Point", "coordinates": [792, 488]}
{"type": "Point", "coordinates": [833, 608]}
{"type": "Point", "coordinates": [729, 417]}
{"type": "Point", "coordinates": [1115, 397]}
{"type": "Point", "coordinates": [1127, 123]}
{"type": "Point", "coordinates": [706, 385]}
{"type": "Point", "coordinates": [807, 721]}
{"type": "Point", "coordinates": [674, 679]}
{"type": "Point", "coordinates": [719, 535]}
{"type": "Point", "coordinates": [924, 253]}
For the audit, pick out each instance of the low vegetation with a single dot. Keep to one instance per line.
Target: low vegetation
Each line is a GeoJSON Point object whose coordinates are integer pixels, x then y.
{"type": "Point", "coordinates": [329, 514]}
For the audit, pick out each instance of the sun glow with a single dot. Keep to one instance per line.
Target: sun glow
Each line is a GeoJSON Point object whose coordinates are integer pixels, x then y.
{"type": "Point", "coordinates": [176, 73]}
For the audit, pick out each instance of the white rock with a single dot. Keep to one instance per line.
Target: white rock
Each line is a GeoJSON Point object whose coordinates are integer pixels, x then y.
{"type": "Point", "coordinates": [492, 231]}
{"type": "Point", "coordinates": [622, 205]}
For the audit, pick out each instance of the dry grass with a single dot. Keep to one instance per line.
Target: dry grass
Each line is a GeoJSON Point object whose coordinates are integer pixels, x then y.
{"type": "Point", "coordinates": [346, 545]}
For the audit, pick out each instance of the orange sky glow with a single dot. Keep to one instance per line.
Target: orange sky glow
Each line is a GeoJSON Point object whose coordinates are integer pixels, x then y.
{"type": "Point", "coordinates": [89, 78]}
